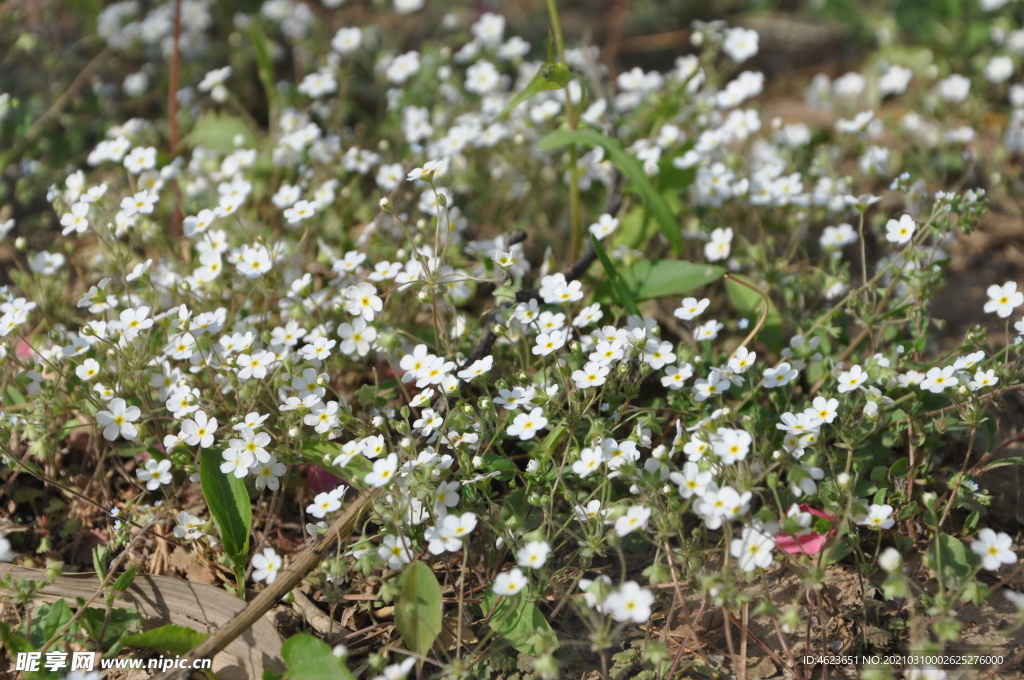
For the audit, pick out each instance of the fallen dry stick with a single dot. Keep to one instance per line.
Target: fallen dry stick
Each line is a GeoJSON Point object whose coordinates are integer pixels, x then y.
{"type": "Point", "coordinates": [306, 562]}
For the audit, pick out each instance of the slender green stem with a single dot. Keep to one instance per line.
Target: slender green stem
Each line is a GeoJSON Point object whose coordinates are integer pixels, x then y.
{"type": "Point", "coordinates": [575, 221]}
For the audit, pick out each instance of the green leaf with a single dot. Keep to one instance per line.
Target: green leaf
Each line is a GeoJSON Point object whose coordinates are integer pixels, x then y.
{"type": "Point", "coordinates": [749, 303]}
{"type": "Point", "coordinates": [953, 556]}
{"type": "Point", "coordinates": [631, 168]}
{"type": "Point", "coordinates": [169, 639]}
{"type": "Point", "coordinates": [229, 504]}
{"type": "Point", "coordinates": [309, 658]}
{"type": "Point", "coordinates": [47, 620]}
{"type": "Point", "coordinates": [494, 462]}
{"type": "Point", "coordinates": [122, 622]}
{"type": "Point", "coordinates": [518, 621]}
{"type": "Point", "coordinates": [418, 610]}
{"type": "Point", "coordinates": [648, 279]}
{"type": "Point", "coordinates": [622, 294]}
{"type": "Point", "coordinates": [125, 580]}
{"type": "Point", "coordinates": [217, 132]}
{"type": "Point", "coordinates": [551, 76]}
{"type": "Point", "coordinates": [1003, 462]}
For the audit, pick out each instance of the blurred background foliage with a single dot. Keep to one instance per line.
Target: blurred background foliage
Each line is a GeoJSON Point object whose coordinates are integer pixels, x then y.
{"type": "Point", "coordinates": [67, 83]}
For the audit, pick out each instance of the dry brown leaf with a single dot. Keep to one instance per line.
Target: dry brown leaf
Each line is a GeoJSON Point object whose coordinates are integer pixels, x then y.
{"type": "Point", "coordinates": [163, 600]}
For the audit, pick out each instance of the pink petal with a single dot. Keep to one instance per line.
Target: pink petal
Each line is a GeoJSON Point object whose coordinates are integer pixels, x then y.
{"type": "Point", "coordinates": [810, 544]}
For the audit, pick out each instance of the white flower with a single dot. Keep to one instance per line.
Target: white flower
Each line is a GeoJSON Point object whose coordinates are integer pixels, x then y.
{"type": "Point", "coordinates": [629, 602]}
{"type": "Point", "coordinates": [509, 582]}
{"type": "Point", "coordinates": [252, 443]}
{"type": "Point", "coordinates": [75, 221]}
{"type": "Point", "coordinates": [322, 417]}
{"type": "Point", "coordinates": [740, 44]}
{"type": "Point", "coordinates": [549, 342]}
{"type": "Point", "coordinates": [236, 462]}
{"type": "Point", "coordinates": [999, 69]}
{"type": "Point", "coordinates": [955, 88]}
{"type": "Point", "coordinates": [362, 301]}
{"type": "Point", "coordinates": [605, 226]}
{"type": "Point", "coordinates": [1003, 299]}
{"type": "Point", "coordinates": [592, 375]}
{"type": "Point", "coordinates": [118, 420]}
{"type": "Point", "coordinates": [357, 337]}
{"type": "Point", "coordinates": [89, 369]}
{"type": "Point", "coordinates": [590, 460]}
{"type": "Point", "coordinates": [383, 471]}
{"type": "Point", "coordinates": [731, 446]}
{"type": "Point", "coordinates": [266, 565]}
{"type": "Point", "coordinates": [533, 555]}
{"type": "Point", "coordinates": [188, 526]}
{"type": "Point", "coordinates": [347, 40]}
{"type": "Point", "coordinates": [994, 549]}
{"type": "Point", "coordinates": [719, 246]}
{"type": "Point", "coordinates": [900, 231]}
{"type": "Point", "coordinates": [199, 430]}
{"type": "Point", "coordinates": [780, 375]}
{"type": "Point", "coordinates": [635, 518]}
{"type": "Point", "coordinates": [526, 425]}
{"type": "Point", "coordinates": [878, 517]}
{"type": "Point", "coordinates": [155, 473]}
{"type": "Point", "coordinates": [753, 549]}
{"type": "Point", "coordinates": [890, 559]}
{"type": "Point", "coordinates": [324, 503]}
{"type": "Point", "coordinates": [448, 534]}
{"type": "Point", "coordinates": [852, 379]}
{"type": "Point", "coordinates": [403, 67]}
{"type": "Point", "coordinates": [408, 6]}
{"type": "Point", "coordinates": [713, 385]}
{"type": "Point", "coordinates": [302, 210]}
{"type": "Point", "coordinates": [396, 551]}
{"type": "Point", "coordinates": [938, 379]}
{"type": "Point", "coordinates": [268, 475]}
{"type": "Point", "coordinates": [676, 376]}
{"type": "Point", "coordinates": [983, 379]}
{"type": "Point", "coordinates": [691, 481]}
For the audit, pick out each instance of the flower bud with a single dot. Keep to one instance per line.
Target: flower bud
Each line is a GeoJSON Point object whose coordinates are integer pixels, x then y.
{"type": "Point", "coordinates": [386, 204]}
{"type": "Point", "coordinates": [890, 559]}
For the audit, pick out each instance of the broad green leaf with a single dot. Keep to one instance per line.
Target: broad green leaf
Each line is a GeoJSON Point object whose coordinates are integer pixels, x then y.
{"type": "Point", "coordinates": [518, 621]}
{"type": "Point", "coordinates": [418, 610]}
{"type": "Point", "coordinates": [122, 622]}
{"type": "Point", "coordinates": [953, 555]}
{"type": "Point", "coordinates": [631, 168]}
{"type": "Point", "coordinates": [217, 132]}
{"type": "Point", "coordinates": [14, 397]}
{"type": "Point", "coordinates": [229, 504]}
{"type": "Point", "coordinates": [47, 620]}
{"type": "Point", "coordinates": [622, 294]}
{"type": "Point", "coordinates": [495, 463]}
{"type": "Point", "coordinates": [309, 658]}
{"type": "Point", "coordinates": [551, 76]}
{"type": "Point", "coordinates": [169, 639]}
{"type": "Point", "coordinates": [647, 279]}
{"type": "Point", "coordinates": [748, 303]}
